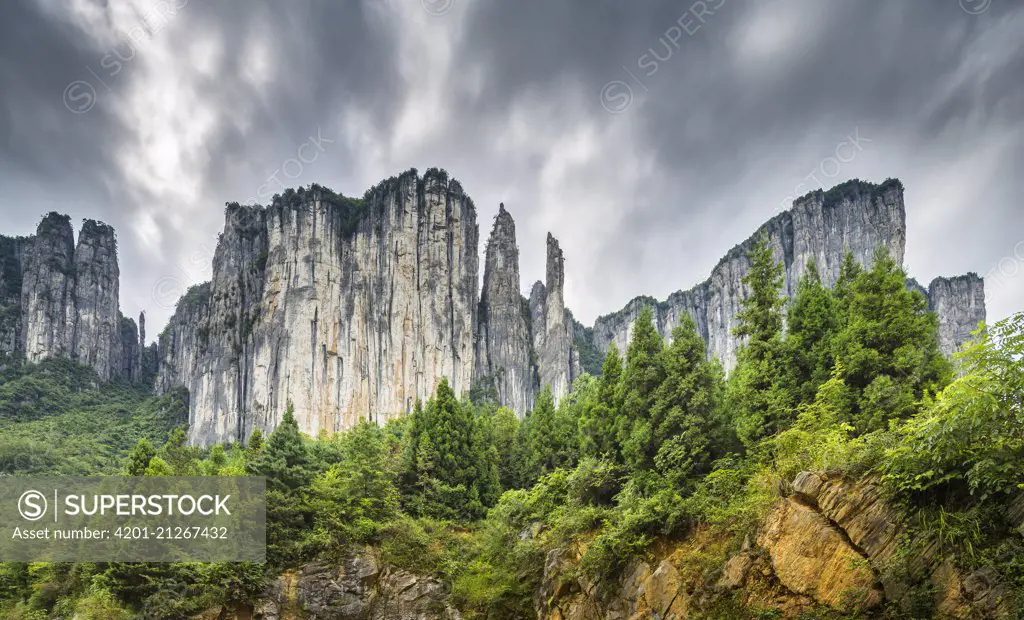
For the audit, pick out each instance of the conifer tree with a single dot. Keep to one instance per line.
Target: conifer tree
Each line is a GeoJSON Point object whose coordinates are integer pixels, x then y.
{"type": "Point", "coordinates": [641, 377]}
{"type": "Point", "coordinates": [687, 433]}
{"type": "Point", "coordinates": [504, 428]}
{"type": "Point", "coordinates": [597, 423]}
{"type": "Point", "coordinates": [889, 348]}
{"type": "Point", "coordinates": [284, 460]}
{"type": "Point", "coordinates": [542, 436]}
{"type": "Point", "coordinates": [811, 326]}
{"type": "Point", "coordinates": [757, 394]}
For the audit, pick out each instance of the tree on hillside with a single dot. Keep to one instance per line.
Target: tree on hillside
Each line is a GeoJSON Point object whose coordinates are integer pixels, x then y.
{"type": "Point", "coordinates": [757, 396]}
{"type": "Point", "coordinates": [686, 433]}
{"type": "Point", "coordinates": [641, 377]}
{"type": "Point", "coordinates": [284, 459]}
{"type": "Point", "coordinates": [443, 470]}
{"type": "Point", "coordinates": [597, 422]}
{"type": "Point", "coordinates": [811, 324]}
{"type": "Point", "coordinates": [889, 348]}
{"type": "Point", "coordinates": [541, 435]}
{"type": "Point", "coordinates": [139, 458]}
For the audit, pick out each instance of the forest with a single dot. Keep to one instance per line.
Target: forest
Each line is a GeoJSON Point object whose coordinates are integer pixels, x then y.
{"type": "Point", "coordinates": [660, 446]}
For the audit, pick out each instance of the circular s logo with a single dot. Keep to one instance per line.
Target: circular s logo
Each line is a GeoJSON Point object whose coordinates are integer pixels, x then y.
{"type": "Point", "coordinates": [32, 505]}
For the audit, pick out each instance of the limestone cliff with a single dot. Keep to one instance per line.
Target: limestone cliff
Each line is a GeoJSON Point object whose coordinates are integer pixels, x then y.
{"type": "Point", "coordinates": [822, 226]}
{"type": "Point", "coordinates": [553, 326]}
{"type": "Point", "coordinates": [504, 344]}
{"type": "Point", "coordinates": [346, 308]}
{"type": "Point", "coordinates": [59, 299]}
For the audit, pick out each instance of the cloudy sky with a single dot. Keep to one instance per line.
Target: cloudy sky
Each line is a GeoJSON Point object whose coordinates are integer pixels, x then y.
{"type": "Point", "coordinates": [649, 136]}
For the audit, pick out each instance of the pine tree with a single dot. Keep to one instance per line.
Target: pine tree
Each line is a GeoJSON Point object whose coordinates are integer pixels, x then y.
{"type": "Point", "coordinates": [139, 458]}
{"type": "Point", "coordinates": [641, 377]}
{"type": "Point", "coordinates": [541, 436]}
{"type": "Point", "coordinates": [760, 318]}
{"type": "Point", "coordinates": [849, 270]}
{"type": "Point", "coordinates": [687, 431]}
{"type": "Point", "coordinates": [889, 348]}
{"type": "Point", "coordinates": [284, 460]}
{"type": "Point", "coordinates": [597, 424]}
{"type": "Point", "coordinates": [812, 324]}
{"type": "Point", "coordinates": [757, 394]}
{"type": "Point", "coordinates": [504, 428]}
{"type": "Point", "coordinates": [486, 456]}
{"type": "Point", "coordinates": [446, 472]}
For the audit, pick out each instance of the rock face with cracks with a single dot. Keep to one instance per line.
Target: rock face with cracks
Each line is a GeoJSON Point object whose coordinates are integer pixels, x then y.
{"type": "Point", "coordinates": [856, 216]}
{"type": "Point", "coordinates": [355, 308]}
{"type": "Point", "coordinates": [59, 298]}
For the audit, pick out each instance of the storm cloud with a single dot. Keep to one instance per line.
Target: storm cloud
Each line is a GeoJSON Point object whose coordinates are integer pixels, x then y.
{"type": "Point", "coordinates": [649, 137]}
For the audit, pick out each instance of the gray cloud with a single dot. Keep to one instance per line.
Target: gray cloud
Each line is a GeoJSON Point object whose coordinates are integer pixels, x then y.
{"type": "Point", "coordinates": [733, 104]}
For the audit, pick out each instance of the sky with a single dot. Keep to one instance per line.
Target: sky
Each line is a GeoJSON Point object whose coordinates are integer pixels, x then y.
{"type": "Point", "coordinates": [648, 136]}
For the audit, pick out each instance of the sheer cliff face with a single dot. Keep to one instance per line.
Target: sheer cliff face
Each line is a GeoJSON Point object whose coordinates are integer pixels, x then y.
{"type": "Point", "coordinates": [503, 336]}
{"type": "Point", "coordinates": [960, 305]}
{"type": "Point", "coordinates": [821, 226]}
{"type": "Point", "coordinates": [346, 310]}
{"type": "Point", "coordinates": [61, 300]}
{"type": "Point", "coordinates": [553, 326]}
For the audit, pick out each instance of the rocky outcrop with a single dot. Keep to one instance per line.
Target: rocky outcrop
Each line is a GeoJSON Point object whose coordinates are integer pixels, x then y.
{"type": "Point", "coordinates": [94, 330]}
{"type": "Point", "coordinates": [856, 216]}
{"type": "Point", "coordinates": [553, 326]}
{"type": "Point", "coordinates": [361, 588]}
{"type": "Point", "coordinates": [875, 528]}
{"type": "Point", "coordinates": [832, 545]}
{"type": "Point", "coordinates": [960, 305]}
{"type": "Point", "coordinates": [346, 308]}
{"type": "Point", "coordinates": [504, 344]}
{"type": "Point", "coordinates": [11, 258]}
{"type": "Point", "coordinates": [812, 557]}
{"type": "Point", "coordinates": [59, 299]}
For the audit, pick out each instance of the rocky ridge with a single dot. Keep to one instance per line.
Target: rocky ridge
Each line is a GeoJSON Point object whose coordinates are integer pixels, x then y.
{"type": "Point", "coordinates": [355, 308]}
{"type": "Point", "coordinates": [61, 299]}
{"type": "Point", "coordinates": [855, 216]}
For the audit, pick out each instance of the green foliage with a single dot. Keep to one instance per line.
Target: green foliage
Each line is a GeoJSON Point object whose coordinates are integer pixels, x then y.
{"type": "Point", "coordinates": [971, 436]}
{"type": "Point", "coordinates": [687, 429]}
{"type": "Point", "coordinates": [811, 324]}
{"type": "Point", "coordinates": [56, 418]}
{"type": "Point", "coordinates": [888, 348]}
{"type": "Point", "coordinates": [757, 393]}
{"type": "Point", "coordinates": [449, 471]}
{"type": "Point", "coordinates": [641, 377]}
{"type": "Point", "coordinates": [598, 418]}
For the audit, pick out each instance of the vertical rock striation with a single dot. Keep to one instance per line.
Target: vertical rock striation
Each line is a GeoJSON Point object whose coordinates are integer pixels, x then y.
{"type": "Point", "coordinates": [503, 334]}
{"type": "Point", "coordinates": [553, 326]}
{"type": "Point", "coordinates": [11, 257]}
{"type": "Point", "coordinates": [960, 305]}
{"type": "Point", "coordinates": [822, 226]}
{"type": "Point", "coordinates": [94, 332]}
{"type": "Point", "coordinates": [346, 308]}
{"type": "Point", "coordinates": [61, 300]}
{"type": "Point", "coordinates": [46, 290]}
